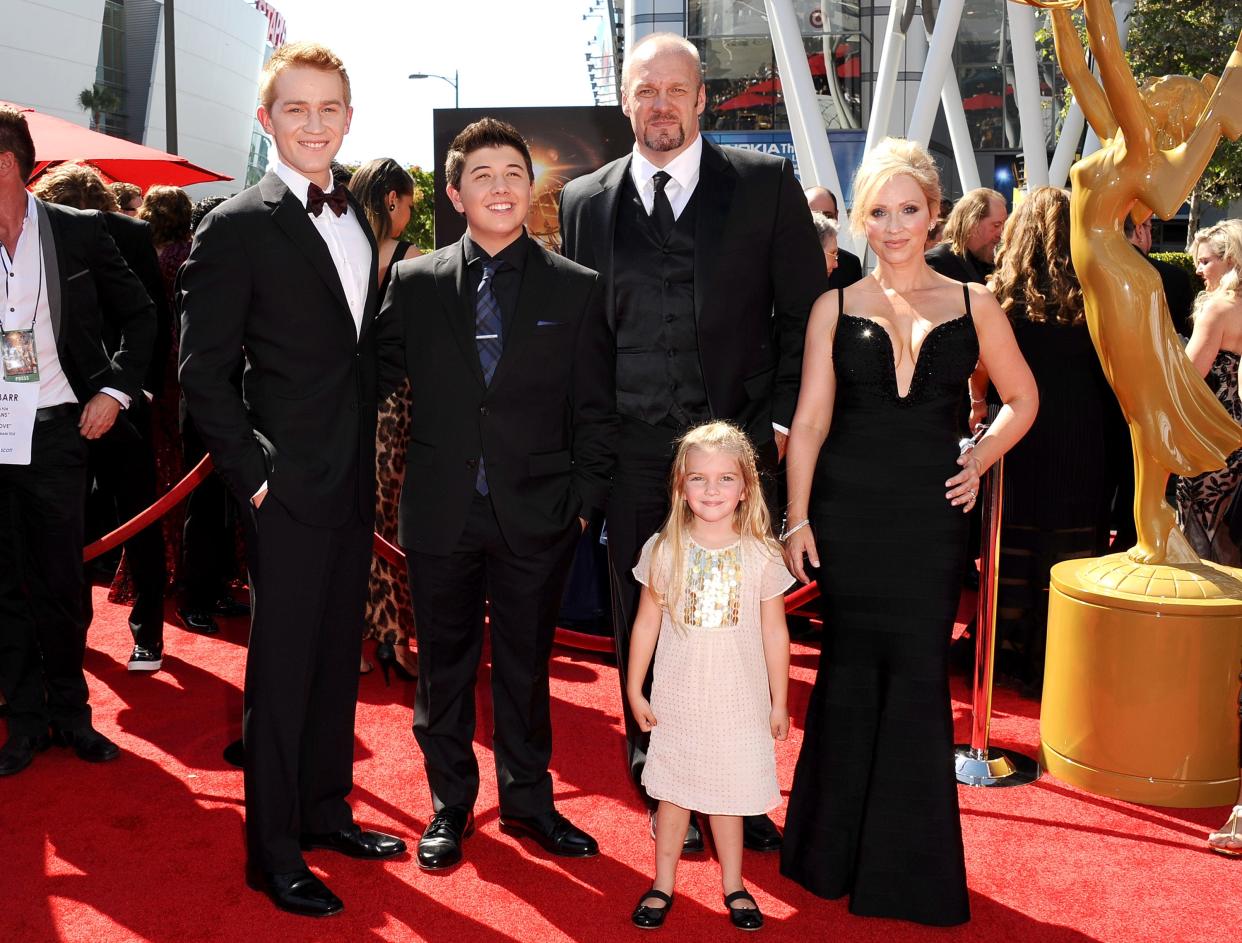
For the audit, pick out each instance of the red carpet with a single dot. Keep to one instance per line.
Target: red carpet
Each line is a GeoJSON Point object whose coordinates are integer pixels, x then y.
{"type": "Point", "coordinates": [150, 847]}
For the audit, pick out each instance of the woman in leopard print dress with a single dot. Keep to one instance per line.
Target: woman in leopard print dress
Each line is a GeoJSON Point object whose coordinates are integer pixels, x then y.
{"type": "Point", "coordinates": [1205, 503]}
{"type": "Point", "coordinates": [386, 192]}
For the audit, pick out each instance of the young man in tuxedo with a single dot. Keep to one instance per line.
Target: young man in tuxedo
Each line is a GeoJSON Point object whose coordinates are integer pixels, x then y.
{"type": "Point", "coordinates": [510, 363]}
{"type": "Point", "coordinates": [283, 275]}
{"type": "Point", "coordinates": [710, 265]}
{"type": "Point", "coordinates": [65, 286]}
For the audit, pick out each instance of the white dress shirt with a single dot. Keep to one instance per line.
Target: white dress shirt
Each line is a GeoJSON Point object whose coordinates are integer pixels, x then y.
{"type": "Point", "coordinates": [26, 304]}
{"type": "Point", "coordinates": [683, 169]}
{"type": "Point", "coordinates": [347, 243]}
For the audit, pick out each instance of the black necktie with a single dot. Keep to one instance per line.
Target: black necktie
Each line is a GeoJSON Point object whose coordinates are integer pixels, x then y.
{"type": "Point", "coordinates": [337, 200]}
{"type": "Point", "coordinates": [662, 209]}
{"type": "Point", "coordinates": [488, 340]}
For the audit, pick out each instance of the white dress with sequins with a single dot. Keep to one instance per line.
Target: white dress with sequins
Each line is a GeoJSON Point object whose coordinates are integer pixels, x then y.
{"type": "Point", "coordinates": [711, 748]}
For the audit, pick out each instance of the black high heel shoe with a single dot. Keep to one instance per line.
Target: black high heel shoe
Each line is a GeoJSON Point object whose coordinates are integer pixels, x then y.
{"type": "Point", "coordinates": [386, 655]}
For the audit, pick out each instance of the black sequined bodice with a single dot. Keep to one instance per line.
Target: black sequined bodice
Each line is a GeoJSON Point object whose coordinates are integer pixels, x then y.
{"type": "Point", "coordinates": [874, 427]}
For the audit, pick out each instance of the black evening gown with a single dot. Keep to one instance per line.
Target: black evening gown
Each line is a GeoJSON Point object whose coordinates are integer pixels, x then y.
{"type": "Point", "coordinates": [1057, 487]}
{"type": "Point", "coordinates": [873, 812]}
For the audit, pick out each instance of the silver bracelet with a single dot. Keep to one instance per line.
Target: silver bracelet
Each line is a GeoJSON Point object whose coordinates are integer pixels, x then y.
{"type": "Point", "coordinates": [790, 531]}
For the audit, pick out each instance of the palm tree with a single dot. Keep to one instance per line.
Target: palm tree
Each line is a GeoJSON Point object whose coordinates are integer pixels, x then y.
{"type": "Point", "coordinates": [98, 101]}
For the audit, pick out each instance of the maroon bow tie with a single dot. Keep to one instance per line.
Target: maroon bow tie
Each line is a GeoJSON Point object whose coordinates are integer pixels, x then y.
{"type": "Point", "coordinates": [338, 200]}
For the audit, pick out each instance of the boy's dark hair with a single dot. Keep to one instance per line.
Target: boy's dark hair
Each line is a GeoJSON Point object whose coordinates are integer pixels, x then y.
{"type": "Point", "coordinates": [15, 138]}
{"type": "Point", "coordinates": [486, 132]}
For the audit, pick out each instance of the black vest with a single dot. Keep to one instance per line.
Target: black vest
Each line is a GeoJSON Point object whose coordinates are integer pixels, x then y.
{"type": "Point", "coordinates": [659, 377]}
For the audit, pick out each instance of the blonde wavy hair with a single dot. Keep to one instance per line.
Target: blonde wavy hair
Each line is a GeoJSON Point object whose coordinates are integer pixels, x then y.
{"type": "Point", "coordinates": [750, 517]}
{"type": "Point", "coordinates": [1033, 266]}
{"type": "Point", "coordinates": [891, 158]}
{"type": "Point", "coordinates": [1225, 241]}
{"type": "Point", "coordinates": [76, 185]}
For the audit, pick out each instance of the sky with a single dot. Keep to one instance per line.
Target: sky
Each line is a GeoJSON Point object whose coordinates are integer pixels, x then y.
{"type": "Point", "coordinates": [508, 52]}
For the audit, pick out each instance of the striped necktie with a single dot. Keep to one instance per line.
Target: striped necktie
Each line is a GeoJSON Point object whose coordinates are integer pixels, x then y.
{"type": "Point", "coordinates": [487, 338]}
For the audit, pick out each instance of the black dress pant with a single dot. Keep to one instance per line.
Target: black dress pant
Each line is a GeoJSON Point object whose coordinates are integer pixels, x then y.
{"type": "Point", "coordinates": [207, 554]}
{"type": "Point", "coordinates": [42, 586]}
{"type": "Point", "coordinates": [523, 594]}
{"type": "Point", "coordinates": [122, 462]}
{"type": "Point", "coordinates": [308, 588]}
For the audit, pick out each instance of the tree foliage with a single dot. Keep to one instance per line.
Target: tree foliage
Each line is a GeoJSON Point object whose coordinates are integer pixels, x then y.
{"type": "Point", "coordinates": [1191, 37]}
{"type": "Point", "coordinates": [98, 100]}
{"type": "Point", "coordinates": [421, 230]}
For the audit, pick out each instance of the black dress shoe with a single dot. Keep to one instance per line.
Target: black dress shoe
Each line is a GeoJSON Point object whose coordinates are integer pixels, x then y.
{"type": "Point", "coordinates": [355, 843]}
{"type": "Point", "coordinates": [651, 918]}
{"type": "Point", "coordinates": [19, 752]}
{"type": "Point", "coordinates": [555, 833]}
{"type": "Point", "coordinates": [89, 744]}
{"type": "Point", "coordinates": [692, 844]}
{"type": "Point", "coordinates": [298, 892]}
{"type": "Point", "coordinates": [230, 608]}
{"type": "Point", "coordinates": [196, 620]}
{"type": "Point", "coordinates": [744, 918]}
{"type": "Point", "coordinates": [759, 834]}
{"type": "Point", "coordinates": [440, 846]}
{"type": "Point", "coordinates": [235, 754]}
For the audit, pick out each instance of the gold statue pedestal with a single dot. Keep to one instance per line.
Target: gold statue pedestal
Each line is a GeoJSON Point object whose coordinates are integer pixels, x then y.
{"type": "Point", "coordinates": [1141, 681]}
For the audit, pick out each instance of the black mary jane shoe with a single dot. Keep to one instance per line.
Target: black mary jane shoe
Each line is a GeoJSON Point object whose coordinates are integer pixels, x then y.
{"type": "Point", "coordinates": [651, 918]}
{"type": "Point", "coordinates": [355, 842]}
{"type": "Point", "coordinates": [744, 918]}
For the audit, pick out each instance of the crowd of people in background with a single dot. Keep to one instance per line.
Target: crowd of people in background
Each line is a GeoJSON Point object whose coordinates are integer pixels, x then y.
{"type": "Point", "coordinates": [1068, 484]}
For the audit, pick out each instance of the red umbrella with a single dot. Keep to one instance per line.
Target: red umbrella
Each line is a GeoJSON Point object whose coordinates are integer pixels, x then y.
{"type": "Point", "coordinates": [58, 141]}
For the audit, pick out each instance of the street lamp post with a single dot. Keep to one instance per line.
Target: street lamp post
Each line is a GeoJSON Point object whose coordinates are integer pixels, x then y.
{"type": "Point", "coordinates": [453, 82]}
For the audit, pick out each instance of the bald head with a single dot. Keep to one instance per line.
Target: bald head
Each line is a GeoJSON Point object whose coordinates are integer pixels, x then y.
{"type": "Point", "coordinates": [821, 200]}
{"type": "Point", "coordinates": [662, 94]}
{"type": "Point", "coordinates": [661, 46]}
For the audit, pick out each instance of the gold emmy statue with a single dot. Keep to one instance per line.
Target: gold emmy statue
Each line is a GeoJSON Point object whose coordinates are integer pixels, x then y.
{"type": "Point", "coordinates": [1141, 682]}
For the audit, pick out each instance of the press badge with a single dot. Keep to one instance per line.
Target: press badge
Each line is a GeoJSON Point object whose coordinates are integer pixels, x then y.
{"type": "Point", "coordinates": [21, 359]}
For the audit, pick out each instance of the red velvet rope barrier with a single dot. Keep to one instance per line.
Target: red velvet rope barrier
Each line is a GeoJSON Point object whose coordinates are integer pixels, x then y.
{"type": "Point", "coordinates": [180, 491]}
{"type": "Point", "coordinates": [393, 554]}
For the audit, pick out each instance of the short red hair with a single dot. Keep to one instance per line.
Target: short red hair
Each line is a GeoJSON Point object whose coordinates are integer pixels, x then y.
{"type": "Point", "coordinates": [309, 54]}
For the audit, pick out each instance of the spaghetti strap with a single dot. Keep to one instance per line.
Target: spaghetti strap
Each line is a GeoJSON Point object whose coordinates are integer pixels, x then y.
{"type": "Point", "coordinates": [840, 302]}
{"type": "Point", "coordinates": [966, 296]}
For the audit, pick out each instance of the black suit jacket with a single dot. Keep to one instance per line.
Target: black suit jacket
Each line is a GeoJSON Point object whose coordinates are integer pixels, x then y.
{"type": "Point", "coordinates": [1179, 293]}
{"type": "Point", "coordinates": [848, 270]}
{"type": "Point", "coordinates": [944, 260]}
{"type": "Point", "coordinates": [260, 279]}
{"type": "Point", "coordinates": [758, 268]}
{"type": "Point", "coordinates": [92, 292]}
{"type": "Point", "coordinates": [133, 239]}
{"type": "Point", "coordinates": [545, 425]}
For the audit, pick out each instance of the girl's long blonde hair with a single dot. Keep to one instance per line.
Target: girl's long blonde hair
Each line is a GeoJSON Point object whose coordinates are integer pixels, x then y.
{"type": "Point", "coordinates": [750, 517]}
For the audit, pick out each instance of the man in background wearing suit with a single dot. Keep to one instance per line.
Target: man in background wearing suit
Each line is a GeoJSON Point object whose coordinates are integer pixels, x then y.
{"type": "Point", "coordinates": [283, 275]}
{"type": "Point", "coordinates": [971, 234]}
{"type": "Point", "coordinates": [849, 266]}
{"type": "Point", "coordinates": [122, 461]}
{"type": "Point", "coordinates": [510, 363]}
{"type": "Point", "coordinates": [710, 265]}
{"type": "Point", "coordinates": [63, 281]}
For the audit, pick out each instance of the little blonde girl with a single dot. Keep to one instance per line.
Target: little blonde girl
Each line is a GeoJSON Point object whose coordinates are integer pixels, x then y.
{"type": "Point", "coordinates": [712, 579]}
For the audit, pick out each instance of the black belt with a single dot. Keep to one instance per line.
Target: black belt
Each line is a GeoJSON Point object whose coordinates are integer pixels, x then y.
{"type": "Point", "coordinates": [59, 411]}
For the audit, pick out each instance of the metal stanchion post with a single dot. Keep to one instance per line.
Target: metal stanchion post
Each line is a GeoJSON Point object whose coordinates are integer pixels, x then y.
{"type": "Point", "coordinates": [978, 764]}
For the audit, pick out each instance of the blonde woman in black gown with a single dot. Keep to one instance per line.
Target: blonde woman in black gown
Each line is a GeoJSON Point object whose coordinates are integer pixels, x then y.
{"type": "Point", "coordinates": [876, 484]}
